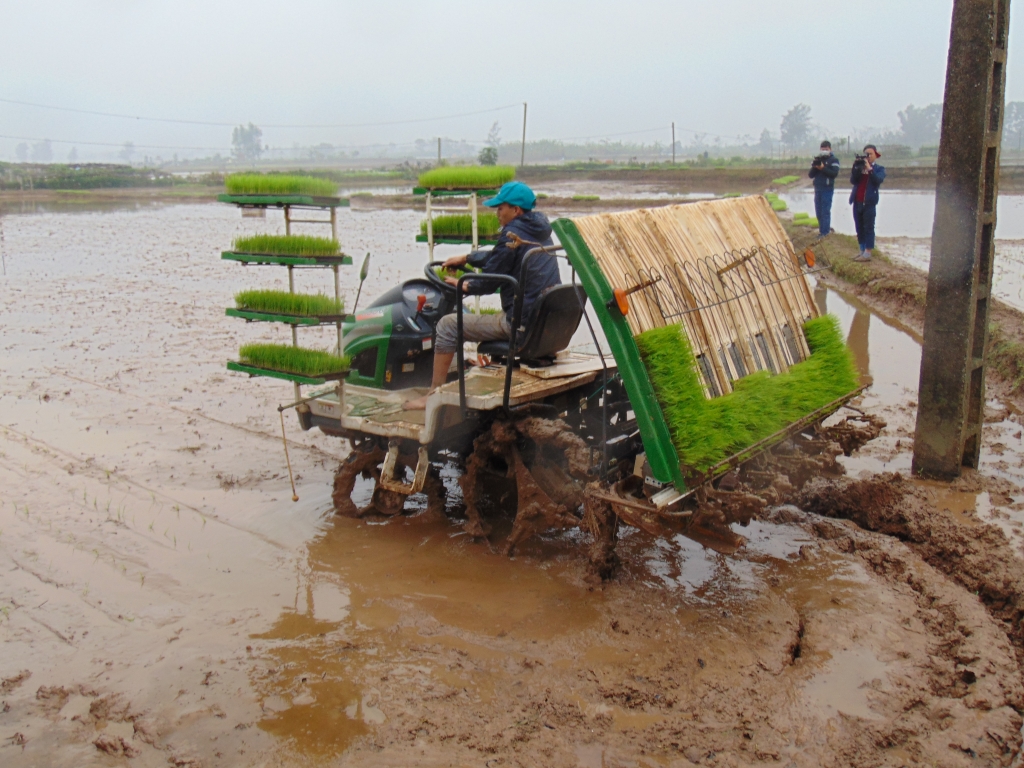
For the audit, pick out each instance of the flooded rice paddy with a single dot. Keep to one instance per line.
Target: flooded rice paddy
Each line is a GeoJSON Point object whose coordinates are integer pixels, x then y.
{"type": "Point", "coordinates": [163, 599]}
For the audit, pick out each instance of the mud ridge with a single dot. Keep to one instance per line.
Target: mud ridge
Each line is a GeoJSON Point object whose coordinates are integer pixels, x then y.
{"type": "Point", "coordinates": [979, 557]}
{"type": "Point", "coordinates": [969, 664]}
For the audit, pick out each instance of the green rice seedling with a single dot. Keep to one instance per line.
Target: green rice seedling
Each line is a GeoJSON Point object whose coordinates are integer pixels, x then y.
{"type": "Point", "coordinates": [807, 221]}
{"type": "Point", "coordinates": [707, 431]}
{"type": "Point", "coordinates": [733, 194]}
{"type": "Point", "coordinates": [461, 225]}
{"type": "Point", "coordinates": [285, 303]}
{"type": "Point", "coordinates": [279, 184]}
{"type": "Point", "coordinates": [467, 177]}
{"type": "Point", "coordinates": [800, 215]}
{"type": "Point", "coordinates": [287, 245]}
{"type": "Point", "coordinates": [586, 198]}
{"type": "Point", "coordinates": [778, 205]}
{"type": "Point", "coordinates": [298, 360]}
{"type": "Point", "coordinates": [783, 180]}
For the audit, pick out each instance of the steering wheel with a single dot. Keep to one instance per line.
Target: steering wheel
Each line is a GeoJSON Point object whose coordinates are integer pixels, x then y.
{"type": "Point", "coordinates": [437, 282]}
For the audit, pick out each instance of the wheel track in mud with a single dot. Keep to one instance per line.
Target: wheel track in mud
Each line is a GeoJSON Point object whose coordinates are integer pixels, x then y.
{"type": "Point", "coordinates": [978, 558]}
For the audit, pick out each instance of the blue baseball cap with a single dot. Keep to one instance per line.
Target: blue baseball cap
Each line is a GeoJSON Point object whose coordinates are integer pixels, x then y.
{"type": "Point", "coordinates": [514, 193]}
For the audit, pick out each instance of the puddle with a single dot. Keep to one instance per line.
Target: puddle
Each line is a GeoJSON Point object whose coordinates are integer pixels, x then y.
{"type": "Point", "coordinates": [843, 685]}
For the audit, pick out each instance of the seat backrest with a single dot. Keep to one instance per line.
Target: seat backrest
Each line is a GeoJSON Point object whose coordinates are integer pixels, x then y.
{"type": "Point", "coordinates": [553, 320]}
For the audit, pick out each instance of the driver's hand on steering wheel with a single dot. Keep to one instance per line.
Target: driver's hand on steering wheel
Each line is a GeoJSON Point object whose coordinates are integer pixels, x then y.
{"type": "Point", "coordinates": [456, 261]}
{"type": "Point", "coordinates": [454, 282]}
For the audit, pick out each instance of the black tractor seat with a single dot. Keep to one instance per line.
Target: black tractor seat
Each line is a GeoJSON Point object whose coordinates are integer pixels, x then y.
{"type": "Point", "coordinates": [554, 318]}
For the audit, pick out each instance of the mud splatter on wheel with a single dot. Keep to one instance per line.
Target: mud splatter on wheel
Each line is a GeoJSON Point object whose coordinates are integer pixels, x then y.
{"type": "Point", "coordinates": [365, 461]}
{"type": "Point", "coordinates": [550, 465]}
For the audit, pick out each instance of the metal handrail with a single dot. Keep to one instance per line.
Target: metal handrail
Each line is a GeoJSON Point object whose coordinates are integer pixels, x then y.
{"type": "Point", "coordinates": [517, 312]}
{"type": "Point", "coordinates": [460, 354]}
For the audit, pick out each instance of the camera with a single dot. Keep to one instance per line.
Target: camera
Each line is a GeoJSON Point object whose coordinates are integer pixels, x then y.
{"type": "Point", "coordinates": [859, 161]}
{"type": "Point", "coordinates": [820, 159]}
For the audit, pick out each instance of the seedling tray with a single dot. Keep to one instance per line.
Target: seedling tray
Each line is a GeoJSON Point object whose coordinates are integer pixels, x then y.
{"type": "Point", "coordinates": [458, 239]}
{"type": "Point", "coordinates": [294, 261]}
{"type": "Point", "coordinates": [264, 201]}
{"type": "Point", "coordinates": [277, 317]}
{"type": "Point", "coordinates": [453, 192]}
{"type": "Point", "coordinates": [298, 378]}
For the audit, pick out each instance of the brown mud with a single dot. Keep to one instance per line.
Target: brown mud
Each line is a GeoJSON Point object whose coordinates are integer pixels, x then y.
{"type": "Point", "coordinates": [163, 601]}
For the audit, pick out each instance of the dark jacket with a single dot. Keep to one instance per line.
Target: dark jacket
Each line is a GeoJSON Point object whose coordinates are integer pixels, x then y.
{"type": "Point", "coordinates": [875, 179]}
{"type": "Point", "coordinates": [542, 270]}
{"type": "Point", "coordinates": [825, 177]}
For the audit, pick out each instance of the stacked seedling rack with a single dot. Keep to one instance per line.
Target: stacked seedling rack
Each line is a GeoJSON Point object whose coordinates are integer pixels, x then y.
{"type": "Point", "coordinates": [293, 195]}
{"type": "Point", "coordinates": [460, 224]}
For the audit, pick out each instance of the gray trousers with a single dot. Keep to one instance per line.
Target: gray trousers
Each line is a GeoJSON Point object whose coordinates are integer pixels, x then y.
{"type": "Point", "coordinates": [474, 328]}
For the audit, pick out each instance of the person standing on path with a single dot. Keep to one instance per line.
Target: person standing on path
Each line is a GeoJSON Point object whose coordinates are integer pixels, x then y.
{"type": "Point", "coordinates": [824, 171]}
{"type": "Point", "coordinates": [867, 176]}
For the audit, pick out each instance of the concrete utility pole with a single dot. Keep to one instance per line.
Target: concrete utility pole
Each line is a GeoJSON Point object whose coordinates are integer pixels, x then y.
{"type": "Point", "coordinates": [951, 397]}
{"type": "Point", "coordinates": [522, 153]}
{"type": "Point", "coordinates": [673, 142]}
{"type": "Point", "coordinates": [438, 150]}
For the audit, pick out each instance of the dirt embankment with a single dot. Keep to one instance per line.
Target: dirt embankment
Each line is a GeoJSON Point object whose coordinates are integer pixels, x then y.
{"type": "Point", "coordinates": [900, 291]}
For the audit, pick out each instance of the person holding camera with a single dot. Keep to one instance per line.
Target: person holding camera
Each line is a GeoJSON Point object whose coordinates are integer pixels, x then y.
{"type": "Point", "coordinates": [824, 171]}
{"type": "Point", "coordinates": [867, 176]}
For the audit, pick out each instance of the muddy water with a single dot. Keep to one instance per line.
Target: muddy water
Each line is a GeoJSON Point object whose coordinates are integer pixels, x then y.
{"type": "Point", "coordinates": [905, 213]}
{"type": "Point", "coordinates": [889, 357]}
{"type": "Point", "coordinates": [165, 594]}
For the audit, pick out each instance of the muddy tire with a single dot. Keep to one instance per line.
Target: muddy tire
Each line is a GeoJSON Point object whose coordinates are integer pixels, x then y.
{"type": "Point", "coordinates": [366, 463]}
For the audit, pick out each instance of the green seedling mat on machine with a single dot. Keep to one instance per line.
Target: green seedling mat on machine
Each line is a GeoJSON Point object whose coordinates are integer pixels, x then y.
{"type": "Point", "coordinates": [289, 261]}
{"type": "Point", "coordinates": [264, 201]}
{"type": "Point", "coordinates": [276, 317]}
{"type": "Point", "coordinates": [298, 378]}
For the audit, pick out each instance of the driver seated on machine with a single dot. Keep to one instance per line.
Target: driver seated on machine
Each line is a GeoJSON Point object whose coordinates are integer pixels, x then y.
{"type": "Point", "coordinates": [514, 205]}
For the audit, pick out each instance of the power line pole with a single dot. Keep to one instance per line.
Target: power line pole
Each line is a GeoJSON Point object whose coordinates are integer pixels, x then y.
{"type": "Point", "coordinates": [522, 153]}
{"type": "Point", "coordinates": [951, 395]}
{"type": "Point", "coordinates": [673, 142]}
{"type": "Point", "coordinates": [438, 150]}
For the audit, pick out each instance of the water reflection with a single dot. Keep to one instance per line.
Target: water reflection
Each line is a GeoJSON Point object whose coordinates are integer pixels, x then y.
{"type": "Point", "coordinates": [907, 213]}
{"type": "Point", "coordinates": [858, 342]}
{"type": "Point", "coordinates": [84, 204]}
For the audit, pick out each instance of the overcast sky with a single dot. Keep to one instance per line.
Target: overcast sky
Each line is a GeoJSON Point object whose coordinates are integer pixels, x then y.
{"type": "Point", "coordinates": [587, 69]}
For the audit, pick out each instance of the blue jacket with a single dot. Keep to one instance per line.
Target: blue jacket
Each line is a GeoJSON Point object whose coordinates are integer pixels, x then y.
{"type": "Point", "coordinates": [825, 177]}
{"type": "Point", "coordinates": [532, 227]}
{"type": "Point", "coordinates": [875, 179]}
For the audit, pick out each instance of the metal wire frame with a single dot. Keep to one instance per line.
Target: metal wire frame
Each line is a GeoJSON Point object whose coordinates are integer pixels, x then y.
{"type": "Point", "coordinates": [705, 295]}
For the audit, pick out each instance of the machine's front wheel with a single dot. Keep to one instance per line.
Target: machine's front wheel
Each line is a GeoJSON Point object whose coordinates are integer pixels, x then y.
{"type": "Point", "coordinates": [366, 460]}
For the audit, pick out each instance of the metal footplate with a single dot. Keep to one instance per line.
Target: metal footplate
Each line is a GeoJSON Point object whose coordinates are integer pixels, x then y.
{"type": "Point", "coordinates": [387, 473]}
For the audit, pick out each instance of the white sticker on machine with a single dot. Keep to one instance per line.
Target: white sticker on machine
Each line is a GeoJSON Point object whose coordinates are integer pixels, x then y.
{"type": "Point", "coordinates": [428, 343]}
{"type": "Point", "coordinates": [408, 367]}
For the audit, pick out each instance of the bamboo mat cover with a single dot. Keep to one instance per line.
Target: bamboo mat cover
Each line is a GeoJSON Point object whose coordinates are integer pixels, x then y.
{"type": "Point", "coordinates": [747, 319]}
